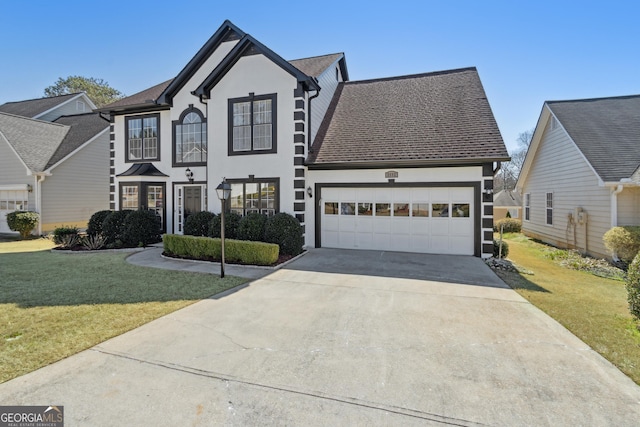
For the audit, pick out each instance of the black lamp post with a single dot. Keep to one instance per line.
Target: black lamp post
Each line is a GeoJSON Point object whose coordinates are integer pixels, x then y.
{"type": "Point", "coordinates": [223, 191]}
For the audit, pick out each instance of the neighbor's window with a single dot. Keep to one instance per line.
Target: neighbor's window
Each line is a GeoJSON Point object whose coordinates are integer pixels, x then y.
{"type": "Point", "coordinates": [527, 206]}
{"type": "Point", "coordinates": [142, 138]}
{"type": "Point", "coordinates": [549, 208]}
{"type": "Point", "coordinates": [257, 196]}
{"type": "Point", "coordinates": [513, 212]}
{"type": "Point", "coordinates": [190, 138]}
{"type": "Point", "coordinates": [252, 124]}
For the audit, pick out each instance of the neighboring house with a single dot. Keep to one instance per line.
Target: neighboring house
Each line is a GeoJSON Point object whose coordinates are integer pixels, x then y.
{"type": "Point", "coordinates": [403, 163]}
{"type": "Point", "coordinates": [507, 201]}
{"type": "Point", "coordinates": [54, 160]}
{"type": "Point", "coordinates": [581, 174]}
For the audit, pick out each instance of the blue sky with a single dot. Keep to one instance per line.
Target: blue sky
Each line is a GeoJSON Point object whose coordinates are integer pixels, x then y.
{"type": "Point", "coordinates": [526, 53]}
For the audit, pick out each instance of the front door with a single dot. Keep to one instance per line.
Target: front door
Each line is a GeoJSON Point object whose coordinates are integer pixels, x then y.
{"type": "Point", "coordinates": [189, 200]}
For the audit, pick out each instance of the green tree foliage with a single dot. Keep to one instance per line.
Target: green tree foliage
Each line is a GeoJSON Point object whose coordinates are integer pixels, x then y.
{"type": "Point", "coordinates": [22, 222]}
{"type": "Point", "coordinates": [97, 90]}
{"type": "Point", "coordinates": [633, 287]}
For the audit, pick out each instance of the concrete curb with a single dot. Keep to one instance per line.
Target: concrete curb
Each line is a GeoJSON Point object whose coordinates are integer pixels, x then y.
{"type": "Point", "coordinates": [259, 267]}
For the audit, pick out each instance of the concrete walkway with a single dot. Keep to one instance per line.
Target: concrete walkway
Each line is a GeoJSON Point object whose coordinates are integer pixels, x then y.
{"type": "Point", "coordinates": [344, 338]}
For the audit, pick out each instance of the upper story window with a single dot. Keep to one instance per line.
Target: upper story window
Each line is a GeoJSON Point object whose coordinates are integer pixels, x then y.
{"type": "Point", "coordinates": [80, 106]}
{"type": "Point", "coordinates": [252, 125]}
{"type": "Point", "coordinates": [142, 137]}
{"type": "Point", "coordinates": [190, 138]}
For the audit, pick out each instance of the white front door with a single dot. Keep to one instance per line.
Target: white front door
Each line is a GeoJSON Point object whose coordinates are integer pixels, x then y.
{"type": "Point", "coordinates": [435, 220]}
{"type": "Point", "coordinates": [10, 201]}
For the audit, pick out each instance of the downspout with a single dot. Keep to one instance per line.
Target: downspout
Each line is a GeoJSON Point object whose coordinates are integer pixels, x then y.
{"type": "Point", "coordinates": [39, 180]}
{"type": "Point", "coordinates": [309, 142]}
{"type": "Point", "coordinates": [614, 204]}
{"type": "Point", "coordinates": [206, 166]}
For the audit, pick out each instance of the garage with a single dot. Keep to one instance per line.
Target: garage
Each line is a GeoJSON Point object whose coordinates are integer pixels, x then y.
{"type": "Point", "coordinates": [11, 200]}
{"type": "Point", "coordinates": [438, 220]}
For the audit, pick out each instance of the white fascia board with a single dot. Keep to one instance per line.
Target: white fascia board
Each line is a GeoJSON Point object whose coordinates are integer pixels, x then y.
{"type": "Point", "coordinates": [14, 187]}
{"type": "Point", "coordinates": [98, 135]}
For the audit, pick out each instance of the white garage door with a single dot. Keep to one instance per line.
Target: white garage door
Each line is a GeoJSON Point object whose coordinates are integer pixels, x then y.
{"type": "Point", "coordinates": [10, 201]}
{"type": "Point", "coordinates": [428, 220]}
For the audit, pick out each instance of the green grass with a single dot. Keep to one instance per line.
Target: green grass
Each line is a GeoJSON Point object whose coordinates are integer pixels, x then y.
{"type": "Point", "coordinates": [593, 308]}
{"type": "Point", "coordinates": [53, 305]}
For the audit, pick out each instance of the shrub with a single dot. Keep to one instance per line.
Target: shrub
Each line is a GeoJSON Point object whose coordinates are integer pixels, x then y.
{"type": "Point", "coordinates": [197, 224]}
{"type": "Point", "coordinates": [206, 248]}
{"type": "Point", "coordinates": [231, 221]}
{"type": "Point", "coordinates": [69, 241]}
{"type": "Point", "coordinates": [94, 227]}
{"type": "Point", "coordinates": [285, 230]}
{"type": "Point", "coordinates": [623, 242]}
{"type": "Point", "coordinates": [508, 215]}
{"type": "Point", "coordinates": [496, 249]}
{"type": "Point", "coordinates": [60, 233]}
{"type": "Point", "coordinates": [113, 228]}
{"type": "Point", "coordinates": [633, 287]}
{"type": "Point", "coordinates": [93, 242]}
{"type": "Point", "coordinates": [251, 227]}
{"type": "Point", "coordinates": [23, 222]}
{"type": "Point", "coordinates": [141, 228]}
{"type": "Point", "coordinates": [511, 225]}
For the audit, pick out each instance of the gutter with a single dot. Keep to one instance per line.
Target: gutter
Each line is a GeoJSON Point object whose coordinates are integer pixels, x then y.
{"type": "Point", "coordinates": [310, 142]}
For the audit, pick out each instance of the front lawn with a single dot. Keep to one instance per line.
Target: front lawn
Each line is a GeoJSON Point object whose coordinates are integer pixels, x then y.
{"type": "Point", "coordinates": [593, 308]}
{"type": "Point", "coordinates": [53, 305]}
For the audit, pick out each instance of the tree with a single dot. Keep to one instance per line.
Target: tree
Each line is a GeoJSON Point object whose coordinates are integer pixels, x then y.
{"type": "Point", "coordinates": [509, 171]}
{"type": "Point", "coordinates": [97, 90]}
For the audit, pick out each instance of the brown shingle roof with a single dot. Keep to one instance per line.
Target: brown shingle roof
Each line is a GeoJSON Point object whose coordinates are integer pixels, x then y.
{"type": "Point", "coordinates": [606, 130]}
{"type": "Point", "coordinates": [441, 117]}
{"type": "Point", "coordinates": [145, 97]}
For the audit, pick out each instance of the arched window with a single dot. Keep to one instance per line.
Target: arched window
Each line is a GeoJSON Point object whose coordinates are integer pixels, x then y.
{"type": "Point", "coordinates": [190, 138]}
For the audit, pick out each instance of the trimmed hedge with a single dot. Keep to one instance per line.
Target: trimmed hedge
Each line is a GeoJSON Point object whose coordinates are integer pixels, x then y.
{"type": "Point", "coordinates": [633, 287]}
{"type": "Point", "coordinates": [113, 228]}
{"type": "Point", "coordinates": [285, 230]}
{"type": "Point", "coordinates": [60, 234]}
{"type": "Point", "coordinates": [23, 222]}
{"type": "Point", "coordinates": [197, 224]}
{"type": "Point", "coordinates": [231, 222]}
{"type": "Point", "coordinates": [623, 242]}
{"type": "Point", "coordinates": [511, 225]}
{"type": "Point", "coordinates": [94, 226]}
{"type": "Point", "coordinates": [141, 228]}
{"type": "Point", "coordinates": [207, 248]}
{"type": "Point", "coordinates": [251, 227]}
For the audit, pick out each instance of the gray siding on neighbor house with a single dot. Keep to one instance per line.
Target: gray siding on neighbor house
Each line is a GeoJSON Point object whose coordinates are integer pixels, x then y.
{"type": "Point", "coordinates": [629, 206]}
{"type": "Point", "coordinates": [68, 109]}
{"type": "Point", "coordinates": [560, 168]}
{"type": "Point", "coordinates": [13, 171]}
{"type": "Point", "coordinates": [319, 105]}
{"type": "Point", "coordinates": [78, 187]}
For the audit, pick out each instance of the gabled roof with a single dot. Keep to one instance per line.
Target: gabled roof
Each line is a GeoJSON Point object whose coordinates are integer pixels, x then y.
{"type": "Point", "coordinates": [145, 98]}
{"type": "Point", "coordinates": [250, 46]}
{"type": "Point", "coordinates": [316, 65]}
{"type": "Point", "coordinates": [606, 130]}
{"type": "Point", "coordinates": [82, 128]}
{"type": "Point", "coordinates": [34, 141]}
{"type": "Point", "coordinates": [434, 118]}
{"type": "Point", "coordinates": [507, 198]}
{"type": "Point", "coordinates": [33, 108]}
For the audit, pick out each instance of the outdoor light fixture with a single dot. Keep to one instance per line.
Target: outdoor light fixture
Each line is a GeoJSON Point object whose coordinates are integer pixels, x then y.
{"type": "Point", "coordinates": [189, 174]}
{"type": "Point", "coordinates": [223, 190]}
{"type": "Point", "coordinates": [309, 192]}
{"type": "Point", "coordinates": [488, 191]}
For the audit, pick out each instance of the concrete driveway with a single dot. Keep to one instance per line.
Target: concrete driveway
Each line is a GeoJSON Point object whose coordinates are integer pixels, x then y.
{"type": "Point", "coordinates": [344, 338]}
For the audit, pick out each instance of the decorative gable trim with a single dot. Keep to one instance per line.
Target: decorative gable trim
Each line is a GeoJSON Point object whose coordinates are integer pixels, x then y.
{"type": "Point", "coordinates": [250, 46]}
{"type": "Point", "coordinates": [227, 32]}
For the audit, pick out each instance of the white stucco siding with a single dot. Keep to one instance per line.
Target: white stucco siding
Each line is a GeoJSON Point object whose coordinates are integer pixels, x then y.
{"type": "Point", "coordinates": [629, 206]}
{"type": "Point", "coordinates": [77, 187]}
{"type": "Point", "coordinates": [320, 104]}
{"type": "Point", "coordinates": [560, 168]}
{"type": "Point", "coordinates": [259, 75]}
{"type": "Point", "coordinates": [375, 176]}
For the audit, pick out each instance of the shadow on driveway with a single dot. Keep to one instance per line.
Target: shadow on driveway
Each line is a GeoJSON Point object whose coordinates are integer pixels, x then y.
{"type": "Point", "coordinates": [440, 268]}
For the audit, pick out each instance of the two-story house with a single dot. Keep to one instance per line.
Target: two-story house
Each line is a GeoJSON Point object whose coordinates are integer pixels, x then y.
{"type": "Point", "coordinates": [54, 160]}
{"type": "Point", "coordinates": [403, 163]}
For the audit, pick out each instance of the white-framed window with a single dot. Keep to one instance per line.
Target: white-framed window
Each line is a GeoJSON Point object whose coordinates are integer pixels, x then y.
{"type": "Point", "coordinates": [549, 209]}
{"type": "Point", "coordinates": [80, 106]}
{"type": "Point", "coordinates": [513, 212]}
{"type": "Point", "coordinates": [527, 206]}
{"type": "Point", "coordinates": [553, 123]}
